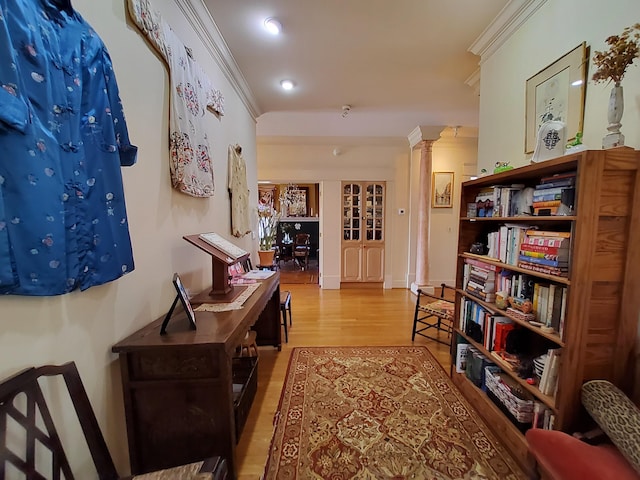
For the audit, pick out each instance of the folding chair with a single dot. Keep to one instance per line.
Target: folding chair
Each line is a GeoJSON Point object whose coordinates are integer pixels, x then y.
{"type": "Point", "coordinates": [433, 313]}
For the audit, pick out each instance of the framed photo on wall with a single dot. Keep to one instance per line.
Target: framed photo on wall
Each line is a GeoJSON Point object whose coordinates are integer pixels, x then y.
{"type": "Point", "coordinates": [557, 92]}
{"type": "Point", "coordinates": [442, 190]}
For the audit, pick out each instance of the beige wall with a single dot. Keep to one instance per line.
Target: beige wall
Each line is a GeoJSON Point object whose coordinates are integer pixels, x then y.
{"type": "Point", "coordinates": [82, 326]}
{"type": "Point", "coordinates": [312, 160]}
{"type": "Point", "coordinates": [555, 29]}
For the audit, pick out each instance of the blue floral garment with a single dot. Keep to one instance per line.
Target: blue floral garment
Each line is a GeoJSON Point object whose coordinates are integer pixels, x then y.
{"type": "Point", "coordinates": [63, 139]}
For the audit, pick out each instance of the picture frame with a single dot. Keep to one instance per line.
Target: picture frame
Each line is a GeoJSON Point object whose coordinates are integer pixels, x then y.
{"type": "Point", "coordinates": [557, 92]}
{"type": "Point", "coordinates": [442, 190]}
{"type": "Point", "coordinates": [186, 304]}
{"type": "Point", "coordinates": [300, 207]}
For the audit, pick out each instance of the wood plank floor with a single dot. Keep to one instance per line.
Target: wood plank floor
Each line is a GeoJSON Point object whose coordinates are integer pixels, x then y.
{"type": "Point", "coordinates": [351, 317]}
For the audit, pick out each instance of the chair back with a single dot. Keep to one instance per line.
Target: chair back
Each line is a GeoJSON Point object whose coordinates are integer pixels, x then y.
{"type": "Point", "coordinates": [301, 240]}
{"type": "Point", "coordinates": [24, 415]}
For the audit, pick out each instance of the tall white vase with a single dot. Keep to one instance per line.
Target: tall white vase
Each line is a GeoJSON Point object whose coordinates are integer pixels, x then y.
{"type": "Point", "coordinates": [614, 138]}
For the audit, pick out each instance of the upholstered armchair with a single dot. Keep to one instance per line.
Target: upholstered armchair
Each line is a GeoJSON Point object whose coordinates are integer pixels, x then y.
{"type": "Point", "coordinates": [560, 456]}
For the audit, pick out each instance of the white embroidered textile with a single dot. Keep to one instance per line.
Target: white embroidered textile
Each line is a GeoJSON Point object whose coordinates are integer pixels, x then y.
{"type": "Point", "coordinates": [239, 191]}
{"type": "Point", "coordinates": [191, 93]}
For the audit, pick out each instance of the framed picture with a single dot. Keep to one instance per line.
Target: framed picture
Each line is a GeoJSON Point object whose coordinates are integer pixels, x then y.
{"type": "Point", "coordinates": [557, 93]}
{"type": "Point", "coordinates": [298, 207]}
{"type": "Point", "coordinates": [442, 190]}
{"type": "Point", "coordinates": [186, 304]}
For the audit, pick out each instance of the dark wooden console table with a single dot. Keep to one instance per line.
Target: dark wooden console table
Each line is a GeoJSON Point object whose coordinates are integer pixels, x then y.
{"type": "Point", "coordinates": [186, 398]}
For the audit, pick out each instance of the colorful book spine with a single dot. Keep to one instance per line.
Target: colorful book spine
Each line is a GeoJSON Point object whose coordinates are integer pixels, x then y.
{"type": "Point", "coordinates": [543, 269]}
{"type": "Point", "coordinates": [546, 203]}
{"type": "Point", "coordinates": [545, 211]}
{"type": "Point", "coordinates": [546, 256]}
{"type": "Point", "coordinates": [548, 233]}
{"type": "Point", "coordinates": [544, 197]}
{"type": "Point", "coordinates": [542, 248]}
{"type": "Point", "coordinates": [544, 261]}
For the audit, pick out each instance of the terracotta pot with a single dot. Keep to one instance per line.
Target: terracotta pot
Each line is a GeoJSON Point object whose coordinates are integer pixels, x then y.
{"type": "Point", "coordinates": [266, 257]}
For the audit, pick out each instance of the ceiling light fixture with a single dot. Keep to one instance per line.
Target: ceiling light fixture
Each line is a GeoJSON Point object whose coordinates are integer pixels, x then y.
{"type": "Point", "coordinates": [287, 84]}
{"type": "Point", "coordinates": [273, 26]}
{"type": "Point", "coordinates": [345, 110]}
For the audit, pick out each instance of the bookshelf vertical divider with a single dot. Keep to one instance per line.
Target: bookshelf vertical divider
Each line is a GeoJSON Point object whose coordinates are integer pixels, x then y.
{"type": "Point", "coordinates": [602, 291]}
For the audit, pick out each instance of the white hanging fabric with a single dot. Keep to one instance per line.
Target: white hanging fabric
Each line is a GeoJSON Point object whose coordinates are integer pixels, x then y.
{"type": "Point", "coordinates": [191, 94]}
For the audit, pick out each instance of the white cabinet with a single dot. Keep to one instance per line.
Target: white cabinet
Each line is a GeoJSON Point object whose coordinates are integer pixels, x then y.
{"type": "Point", "coordinates": [362, 232]}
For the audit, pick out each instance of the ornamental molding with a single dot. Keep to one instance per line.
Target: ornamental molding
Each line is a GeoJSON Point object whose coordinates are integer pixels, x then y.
{"type": "Point", "coordinates": [199, 17]}
{"type": "Point", "coordinates": [508, 21]}
{"type": "Point", "coordinates": [421, 133]}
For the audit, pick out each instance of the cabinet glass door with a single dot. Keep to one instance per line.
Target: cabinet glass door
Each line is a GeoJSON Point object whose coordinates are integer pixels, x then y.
{"type": "Point", "coordinates": [374, 217]}
{"type": "Point", "coordinates": [351, 211]}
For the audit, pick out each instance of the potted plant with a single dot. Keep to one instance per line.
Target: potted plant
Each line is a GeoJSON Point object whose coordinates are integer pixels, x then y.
{"type": "Point", "coordinates": [268, 218]}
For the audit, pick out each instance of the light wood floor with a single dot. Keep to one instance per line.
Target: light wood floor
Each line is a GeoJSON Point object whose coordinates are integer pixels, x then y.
{"type": "Point", "coordinates": [325, 318]}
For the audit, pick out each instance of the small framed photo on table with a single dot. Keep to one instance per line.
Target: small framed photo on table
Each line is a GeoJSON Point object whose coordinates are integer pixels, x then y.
{"type": "Point", "coordinates": [186, 304]}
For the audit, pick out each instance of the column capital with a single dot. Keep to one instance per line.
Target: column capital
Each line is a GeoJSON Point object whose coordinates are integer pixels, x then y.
{"type": "Point", "coordinates": [424, 133]}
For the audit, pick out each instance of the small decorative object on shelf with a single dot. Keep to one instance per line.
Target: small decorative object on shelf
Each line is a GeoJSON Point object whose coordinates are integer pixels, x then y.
{"type": "Point", "coordinates": [612, 66]}
{"type": "Point", "coordinates": [502, 167]}
{"type": "Point", "coordinates": [576, 145]}
{"type": "Point", "coordinates": [550, 141]}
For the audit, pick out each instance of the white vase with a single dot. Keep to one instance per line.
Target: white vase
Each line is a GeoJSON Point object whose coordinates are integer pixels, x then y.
{"type": "Point", "coordinates": [614, 138]}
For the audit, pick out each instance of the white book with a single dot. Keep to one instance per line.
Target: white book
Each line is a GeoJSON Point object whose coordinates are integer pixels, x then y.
{"type": "Point", "coordinates": [461, 357]}
{"type": "Point", "coordinates": [224, 245]}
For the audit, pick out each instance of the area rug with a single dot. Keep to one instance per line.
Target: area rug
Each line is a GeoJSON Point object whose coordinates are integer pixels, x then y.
{"type": "Point", "coordinates": [377, 413]}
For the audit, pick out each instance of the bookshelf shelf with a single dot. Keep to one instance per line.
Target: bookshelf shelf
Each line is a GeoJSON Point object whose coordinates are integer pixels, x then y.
{"type": "Point", "coordinates": [548, 400]}
{"type": "Point", "coordinates": [554, 337]}
{"type": "Point", "coordinates": [599, 296]}
{"type": "Point", "coordinates": [515, 268]}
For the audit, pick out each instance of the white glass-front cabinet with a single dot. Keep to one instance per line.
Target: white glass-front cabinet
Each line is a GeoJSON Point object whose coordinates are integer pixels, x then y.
{"type": "Point", "coordinates": [362, 232]}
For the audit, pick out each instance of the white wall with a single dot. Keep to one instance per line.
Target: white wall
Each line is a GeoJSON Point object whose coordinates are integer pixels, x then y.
{"type": "Point", "coordinates": [83, 326]}
{"type": "Point", "coordinates": [556, 28]}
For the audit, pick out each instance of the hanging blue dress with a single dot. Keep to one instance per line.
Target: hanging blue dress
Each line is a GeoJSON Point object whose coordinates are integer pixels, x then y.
{"type": "Point", "coordinates": [63, 139]}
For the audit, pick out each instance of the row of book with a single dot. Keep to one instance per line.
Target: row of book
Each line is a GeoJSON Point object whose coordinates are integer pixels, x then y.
{"type": "Point", "coordinates": [546, 368]}
{"type": "Point", "coordinates": [555, 195]}
{"type": "Point", "coordinates": [519, 405]}
{"type": "Point", "coordinates": [479, 279]}
{"type": "Point", "coordinates": [546, 251]}
{"type": "Point", "coordinates": [484, 327]}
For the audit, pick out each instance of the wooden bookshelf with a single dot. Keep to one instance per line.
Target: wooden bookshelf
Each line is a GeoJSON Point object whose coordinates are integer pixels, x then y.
{"type": "Point", "coordinates": [603, 288]}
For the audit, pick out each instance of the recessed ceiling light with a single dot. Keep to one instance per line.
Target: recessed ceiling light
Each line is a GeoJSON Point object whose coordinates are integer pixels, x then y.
{"type": "Point", "coordinates": [273, 26]}
{"type": "Point", "coordinates": [287, 84]}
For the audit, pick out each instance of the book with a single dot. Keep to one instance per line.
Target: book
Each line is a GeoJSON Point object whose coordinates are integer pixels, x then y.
{"type": "Point", "coordinates": [558, 177]}
{"type": "Point", "coordinates": [543, 261]}
{"type": "Point", "coordinates": [224, 245]}
{"type": "Point", "coordinates": [558, 272]}
{"type": "Point", "coordinates": [541, 241]}
{"type": "Point", "coordinates": [545, 211]}
{"type": "Point", "coordinates": [461, 357]}
{"type": "Point", "coordinates": [546, 256]}
{"type": "Point", "coordinates": [544, 249]}
{"type": "Point", "coordinates": [546, 203]}
{"type": "Point", "coordinates": [548, 233]}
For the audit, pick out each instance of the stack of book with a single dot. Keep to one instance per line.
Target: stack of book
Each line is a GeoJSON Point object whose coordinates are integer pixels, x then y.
{"type": "Point", "coordinates": [480, 279]}
{"type": "Point", "coordinates": [505, 200]}
{"type": "Point", "coordinates": [549, 303]}
{"type": "Point", "coordinates": [549, 378]}
{"type": "Point", "coordinates": [555, 195]}
{"type": "Point", "coordinates": [484, 327]}
{"type": "Point", "coordinates": [545, 251]}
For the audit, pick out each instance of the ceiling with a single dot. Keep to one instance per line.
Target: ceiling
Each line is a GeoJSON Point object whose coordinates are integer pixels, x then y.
{"type": "Point", "coordinates": [398, 64]}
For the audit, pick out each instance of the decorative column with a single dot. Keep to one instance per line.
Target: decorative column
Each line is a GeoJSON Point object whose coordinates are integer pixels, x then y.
{"type": "Point", "coordinates": [424, 138]}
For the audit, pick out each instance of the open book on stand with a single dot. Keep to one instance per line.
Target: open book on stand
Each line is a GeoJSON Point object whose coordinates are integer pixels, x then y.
{"type": "Point", "coordinates": [224, 245]}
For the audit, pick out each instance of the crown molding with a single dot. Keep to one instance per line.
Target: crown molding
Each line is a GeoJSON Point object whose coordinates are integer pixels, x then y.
{"type": "Point", "coordinates": [199, 17]}
{"type": "Point", "coordinates": [509, 20]}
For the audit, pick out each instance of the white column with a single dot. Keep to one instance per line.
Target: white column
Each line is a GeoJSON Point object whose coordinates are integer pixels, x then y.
{"type": "Point", "coordinates": [427, 137]}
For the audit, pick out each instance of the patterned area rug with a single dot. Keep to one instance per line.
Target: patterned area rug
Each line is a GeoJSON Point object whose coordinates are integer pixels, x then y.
{"type": "Point", "coordinates": [376, 413]}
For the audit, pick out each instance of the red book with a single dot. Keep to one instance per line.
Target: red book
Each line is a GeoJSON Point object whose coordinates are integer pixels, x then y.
{"type": "Point", "coordinates": [546, 241]}
{"type": "Point", "coordinates": [544, 249]}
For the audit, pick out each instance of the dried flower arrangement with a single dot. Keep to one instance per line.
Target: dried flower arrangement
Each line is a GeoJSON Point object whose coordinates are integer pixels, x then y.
{"type": "Point", "coordinates": [268, 219]}
{"type": "Point", "coordinates": [623, 50]}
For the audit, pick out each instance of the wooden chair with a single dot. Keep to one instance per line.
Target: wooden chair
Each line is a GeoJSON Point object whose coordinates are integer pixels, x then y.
{"type": "Point", "coordinates": [301, 248]}
{"type": "Point", "coordinates": [433, 312]}
{"type": "Point", "coordinates": [285, 306]}
{"type": "Point", "coordinates": [29, 441]}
